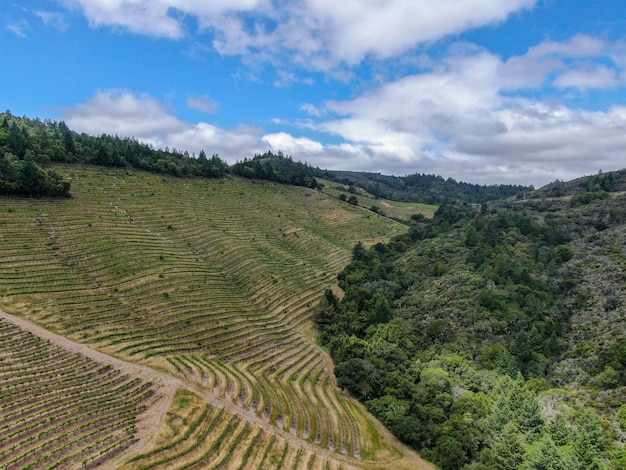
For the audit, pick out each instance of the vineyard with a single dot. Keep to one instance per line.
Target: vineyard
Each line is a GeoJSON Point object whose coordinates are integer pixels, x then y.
{"type": "Point", "coordinates": [60, 409]}
{"type": "Point", "coordinates": [211, 283]}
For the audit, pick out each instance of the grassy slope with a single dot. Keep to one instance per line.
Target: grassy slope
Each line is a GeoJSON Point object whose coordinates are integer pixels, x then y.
{"type": "Point", "coordinates": [393, 209]}
{"type": "Point", "coordinates": [215, 282]}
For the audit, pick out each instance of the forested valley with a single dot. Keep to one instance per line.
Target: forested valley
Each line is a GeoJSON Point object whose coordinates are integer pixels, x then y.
{"type": "Point", "coordinates": [493, 336]}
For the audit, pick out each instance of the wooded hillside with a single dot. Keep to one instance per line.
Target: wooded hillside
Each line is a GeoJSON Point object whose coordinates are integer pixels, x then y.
{"type": "Point", "coordinates": [27, 145]}
{"type": "Point", "coordinates": [494, 335]}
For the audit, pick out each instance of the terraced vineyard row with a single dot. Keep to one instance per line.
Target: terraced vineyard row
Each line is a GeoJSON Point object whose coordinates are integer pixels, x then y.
{"type": "Point", "coordinates": [60, 409]}
{"type": "Point", "coordinates": [213, 281]}
{"type": "Point", "coordinates": [196, 448]}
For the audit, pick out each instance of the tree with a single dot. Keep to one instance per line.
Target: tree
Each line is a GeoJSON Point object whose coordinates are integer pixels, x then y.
{"type": "Point", "coordinates": [360, 377]}
{"type": "Point", "coordinates": [326, 309]}
{"type": "Point", "coordinates": [32, 178]}
{"type": "Point", "coordinates": [449, 453]}
{"type": "Point", "coordinates": [545, 456]}
{"type": "Point", "coordinates": [559, 431]}
{"type": "Point", "coordinates": [16, 142]}
{"type": "Point", "coordinates": [507, 451]}
{"type": "Point", "coordinates": [359, 252]}
{"type": "Point", "coordinates": [589, 441]}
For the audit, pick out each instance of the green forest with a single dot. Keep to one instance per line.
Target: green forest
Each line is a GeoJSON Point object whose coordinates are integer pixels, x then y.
{"type": "Point", "coordinates": [484, 338]}
{"type": "Point", "coordinates": [427, 189]}
{"type": "Point", "coordinates": [27, 146]}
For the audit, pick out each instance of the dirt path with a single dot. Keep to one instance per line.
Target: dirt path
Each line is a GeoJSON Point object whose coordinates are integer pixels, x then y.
{"type": "Point", "coordinates": [165, 387]}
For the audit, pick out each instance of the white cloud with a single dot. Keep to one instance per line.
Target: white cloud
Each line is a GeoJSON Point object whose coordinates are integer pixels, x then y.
{"type": "Point", "coordinates": [19, 28]}
{"type": "Point", "coordinates": [230, 144]}
{"type": "Point", "coordinates": [463, 119]}
{"type": "Point", "coordinates": [568, 64]}
{"type": "Point", "coordinates": [120, 112]}
{"type": "Point", "coordinates": [598, 77]}
{"type": "Point", "coordinates": [137, 16]}
{"type": "Point", "coordinates": [54, 19]}
{"type": "Point", "coordinates": [318, 34]}
{"type": "Point", "coordinates": [293, 146]}
{"type": "Point", "coordinates": [124, 113]}
{"type": "Point", "coordinates": [388, 28]}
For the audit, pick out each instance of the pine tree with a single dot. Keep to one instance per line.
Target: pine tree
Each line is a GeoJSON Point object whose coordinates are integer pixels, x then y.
{"type": "Point", "coordinates": [508, 451]}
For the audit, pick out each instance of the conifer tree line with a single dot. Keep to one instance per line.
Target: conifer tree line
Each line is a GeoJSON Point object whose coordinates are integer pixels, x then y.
{"type": "Point", "coordinates": [28, 145]}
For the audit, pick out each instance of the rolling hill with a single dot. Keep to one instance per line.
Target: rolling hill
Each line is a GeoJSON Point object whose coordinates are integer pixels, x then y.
{"type": "Point", "coordinates": [185, 306]}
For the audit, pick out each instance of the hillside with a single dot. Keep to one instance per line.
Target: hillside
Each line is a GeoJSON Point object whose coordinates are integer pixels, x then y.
{"type": "Point", "coordinates": [204, 286]}
{"type": "Point", "coordinates": [426, 189]}
{"type": "Point", "coordinates": [495, 336]}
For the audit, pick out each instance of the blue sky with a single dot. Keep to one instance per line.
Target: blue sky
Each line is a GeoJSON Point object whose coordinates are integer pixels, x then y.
{"type": "Point", "coordinates": [484, 91]}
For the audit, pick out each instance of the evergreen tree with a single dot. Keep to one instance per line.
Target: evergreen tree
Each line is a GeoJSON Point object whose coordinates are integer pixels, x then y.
{"type": "Point", "coordinates": [545, 456]}
{"type": "Point", "coordinates": [508, 451]}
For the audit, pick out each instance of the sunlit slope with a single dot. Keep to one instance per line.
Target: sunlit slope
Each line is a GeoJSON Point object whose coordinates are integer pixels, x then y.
{"type": "Point", "coordinates": [212, 281]}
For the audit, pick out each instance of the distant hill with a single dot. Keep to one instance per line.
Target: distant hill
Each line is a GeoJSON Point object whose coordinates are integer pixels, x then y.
{"type": "Point", "coordinates": [427, 189]}
{"type": "Point", "coordinates": [280, 168]}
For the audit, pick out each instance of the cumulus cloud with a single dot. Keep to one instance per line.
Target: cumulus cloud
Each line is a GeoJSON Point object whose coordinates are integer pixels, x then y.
{"type": "Point", "coordinates": [568, 64]}
{"type": "Point", "coordinates": [291, 145]}
{"type": "Point", "coordinates": [466, 115]}
{"type": "Point", "coordinates": [463, 118]}
{"type": "Point", "coordinates": [147, 17]}
{"type": "Point", "coordinates": [124, 113]}
{"type": "Point", "coordinates": [120, 112]}
{"type": "Point", "coordinates": [388, 28]}
{"type": "Point", "coordinates": [319, 34]}
{"type": "Point", "coordinates": [598, 77]}
{"type": "Point", "coordinates": [231, 144]}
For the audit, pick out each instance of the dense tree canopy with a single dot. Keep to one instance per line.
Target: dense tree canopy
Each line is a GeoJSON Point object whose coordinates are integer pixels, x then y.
{"type": "Point", "coordinates": [279, 168]}
{"type": "Point", "coordinates": [27, 144]}
{"type": "Point", "coordinates": [428, 189]}
{"type": "Point", "coordinates": [452, 333]}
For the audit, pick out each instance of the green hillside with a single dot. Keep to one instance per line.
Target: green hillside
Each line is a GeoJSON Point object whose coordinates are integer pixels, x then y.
{"type": "Point", "coordinates": [401, 211]}
{"type": "Point", "coordinates": [27, 146]}
{"type": "Point", "coordinates": [494, 336]}
{"type": "Point", "coordinates": [426, 189]}
{"type": "Point", "coordinates": [209, 286]}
